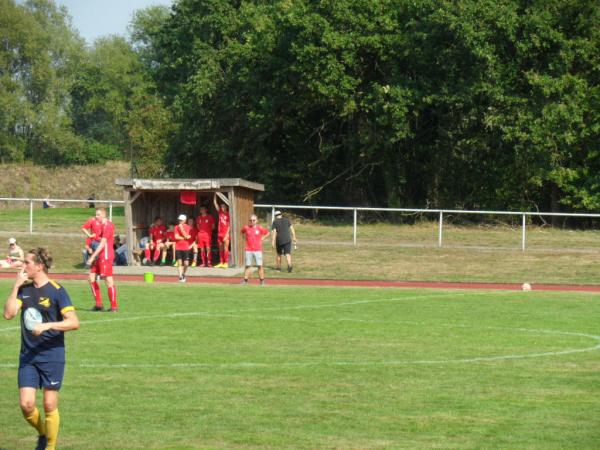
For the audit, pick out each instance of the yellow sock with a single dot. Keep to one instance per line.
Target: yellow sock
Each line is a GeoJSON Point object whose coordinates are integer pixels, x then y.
{"type": "Point", "coordinates": [52, 423]}
{"type": "Point", "coordinates": [34, 419]}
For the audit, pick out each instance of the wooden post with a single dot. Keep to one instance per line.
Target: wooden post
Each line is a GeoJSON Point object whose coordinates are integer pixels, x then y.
{"type": "Point", "coordinates": [129, 232]}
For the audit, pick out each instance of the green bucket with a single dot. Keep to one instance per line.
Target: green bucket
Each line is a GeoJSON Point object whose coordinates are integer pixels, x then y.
{"type": "Point", "coordinates": [149, 277]}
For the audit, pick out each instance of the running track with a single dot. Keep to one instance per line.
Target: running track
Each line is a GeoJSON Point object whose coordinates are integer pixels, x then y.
{"type": "Point", "coordinates": [339, 283]}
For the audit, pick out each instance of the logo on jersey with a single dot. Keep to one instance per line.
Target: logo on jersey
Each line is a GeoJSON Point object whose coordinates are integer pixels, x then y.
{"type": "Point", "coordinates": [44, 301]}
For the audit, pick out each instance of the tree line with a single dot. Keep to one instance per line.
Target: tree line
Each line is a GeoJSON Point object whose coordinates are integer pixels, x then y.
{"type": "Point", "coordinates": [472, 104]}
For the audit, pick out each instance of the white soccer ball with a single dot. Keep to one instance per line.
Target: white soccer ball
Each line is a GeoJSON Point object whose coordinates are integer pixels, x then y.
{"type": "Point", "coordinates": [526, 287]}
{"type": "Point", "coordinates": [31, 318]}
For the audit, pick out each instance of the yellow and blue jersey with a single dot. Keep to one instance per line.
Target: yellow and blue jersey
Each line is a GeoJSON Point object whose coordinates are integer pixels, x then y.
{"type": "Point", "coordinates": [52, 301]}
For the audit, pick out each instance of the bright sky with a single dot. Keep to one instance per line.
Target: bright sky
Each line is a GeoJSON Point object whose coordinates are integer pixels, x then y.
{"type": "Point", "coordinates": [95, 18]}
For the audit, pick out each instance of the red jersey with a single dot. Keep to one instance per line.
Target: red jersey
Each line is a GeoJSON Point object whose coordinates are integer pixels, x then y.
{"type": "Point", "coordinates": [223, 227]}
{"type": "Point", "coordinates": [157, 232]}
{"type": "Point", "coordinates": [180, 231]}
{"type": "Point", "coordinates": [94, 226]}
{"type": "Point", "coordinates": [205, 224]}
{"type": "Point", "coordinates": [254, 237]}
{"type": "Point", "coordinates": [107, 231]}
{"type": "Point", "coordinates": [193, 234]}
{"type": "Point", "coordinates": [170, 236]}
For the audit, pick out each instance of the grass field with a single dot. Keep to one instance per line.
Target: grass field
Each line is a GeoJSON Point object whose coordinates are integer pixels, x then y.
{"type": "Point", "coordinates": [191, 366]}
{"type": "Point", "coordinates": [385, 251]}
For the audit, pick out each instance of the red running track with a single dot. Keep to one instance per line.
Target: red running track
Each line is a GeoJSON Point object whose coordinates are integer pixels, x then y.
{"type": "Point", "coordinates": [339, 283]}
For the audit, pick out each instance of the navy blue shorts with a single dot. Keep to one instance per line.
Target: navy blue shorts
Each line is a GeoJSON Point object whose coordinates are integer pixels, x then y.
{"type": "Point", "coordinates": [46, 375]}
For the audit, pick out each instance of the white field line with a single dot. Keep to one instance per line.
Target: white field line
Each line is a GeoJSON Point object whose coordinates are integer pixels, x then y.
{"type": "Point", "coordinates": [235, 314]}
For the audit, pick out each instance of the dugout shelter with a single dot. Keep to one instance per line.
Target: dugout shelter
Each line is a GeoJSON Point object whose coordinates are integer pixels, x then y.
{"type": "Point", "coordinates": [147, 198]}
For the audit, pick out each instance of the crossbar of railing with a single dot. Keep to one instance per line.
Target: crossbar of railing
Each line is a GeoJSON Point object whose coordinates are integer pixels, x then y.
{"type": "Point", "coordinates": [440, 213]}
{"type": "Point", "coordinates": [60, 200]}
{"type": "Point", "coordinates": [355, 210]}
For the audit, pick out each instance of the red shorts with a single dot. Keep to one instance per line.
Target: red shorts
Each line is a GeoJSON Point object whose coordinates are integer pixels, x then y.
{"type": "Point", "coordinates": [222, 237]}
{"type": "Point", "coordinates": [102, 267]}
{"type": "Point", "coordinates": [203, 240]}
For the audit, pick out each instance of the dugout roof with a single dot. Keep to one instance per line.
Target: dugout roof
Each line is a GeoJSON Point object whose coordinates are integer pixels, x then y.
{"type": "Point", "coordinates": [147, 198]}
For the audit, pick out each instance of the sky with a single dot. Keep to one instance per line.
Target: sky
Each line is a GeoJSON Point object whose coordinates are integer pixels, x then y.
{"type": "Point", "coordinates": [95, 18]}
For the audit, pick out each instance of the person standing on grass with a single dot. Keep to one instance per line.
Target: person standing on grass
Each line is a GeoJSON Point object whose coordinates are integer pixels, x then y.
{"type": "Point", "coordinates": [283, 236]}
{"type": "Point", "coordinates": [254, 234]}
{"type": "Point", "coordinates": [101, 263]}
{"type": "Point", "coordinates": [182, 247]}
{"type": "Point", "coordinates": [42, 356]}
{"type": "Point", "coordinates": [223, 233]}
{"type": "Point", "coordinates": [91, 229]}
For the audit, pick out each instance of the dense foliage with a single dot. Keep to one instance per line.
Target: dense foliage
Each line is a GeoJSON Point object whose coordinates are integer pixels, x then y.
{"type": "Point", "coordinates": [62, 102]}
{"type": "Point", "coordinates": [475, 104]}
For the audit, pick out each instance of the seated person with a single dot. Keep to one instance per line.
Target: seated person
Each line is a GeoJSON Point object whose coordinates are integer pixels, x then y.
{"type": "Point", "coordinates": [139, 252]}
{"type": "Point", "coordinates": [14, 258]}
{"type": "Point", "coordinates": [169, 244]}
{"type": "Point", "coordinates": [120, 252]}
{"type": "Point", "coordinates": [46, 204]}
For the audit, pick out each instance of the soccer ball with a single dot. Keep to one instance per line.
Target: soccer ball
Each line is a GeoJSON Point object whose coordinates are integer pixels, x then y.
{"type": "Point", "coordinates": [31, 318]}
{"type": "Point", "coordinates": [526, 287]}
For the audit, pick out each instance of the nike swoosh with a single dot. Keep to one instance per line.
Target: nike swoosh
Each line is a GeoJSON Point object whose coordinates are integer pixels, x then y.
{"type": "Point", "coordinates": [26, 296]}
{"type": "Point", "coordinates": [54, 383]}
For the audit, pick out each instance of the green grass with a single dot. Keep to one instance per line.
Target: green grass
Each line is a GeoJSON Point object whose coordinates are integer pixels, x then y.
{"type": "Point", "coordinates": [190, 366]}
{"type": "Point", "coordinates": [490, 253]}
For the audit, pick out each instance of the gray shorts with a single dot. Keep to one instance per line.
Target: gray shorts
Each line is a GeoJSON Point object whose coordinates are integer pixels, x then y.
{"type": "Point", "coordinates": [253, 257]}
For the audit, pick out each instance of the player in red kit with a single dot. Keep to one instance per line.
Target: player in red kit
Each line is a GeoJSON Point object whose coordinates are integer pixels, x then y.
{"type": "Point", "coordinates": [205, 224]}
{"type": "Point", "coordinates": [91, 229]}
{"type": "Point", "coordinates": [223, 233]}
{"type": "Point", "coordinates": [169, 244]}
{"type": "Point", "coordinates": [192, 241]}
{"type": "Point", "coordinates": [101, 262]}
{"type": "Point", "coordinates": [157, 237]}
{"type": "Point", "coordinates": [182, 246]}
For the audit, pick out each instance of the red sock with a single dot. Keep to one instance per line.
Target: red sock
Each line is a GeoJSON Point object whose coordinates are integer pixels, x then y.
{"type": "Point", "coordinates": [221, 257]}
{"type": "Point", "coordinates": [203, 256]}
{"type": "Point", "coordinates": [226, 257]}
{"type": "Point", "coordinates": [147, 254]}
{"type": "Point", "coordinates": [156, 254]}
{"type": "Point", "coordinates": [209, 257]}
{"type": "Point", "coordinates": [96, 293]}
{"type": "Point", "coordinates": [112, 296]}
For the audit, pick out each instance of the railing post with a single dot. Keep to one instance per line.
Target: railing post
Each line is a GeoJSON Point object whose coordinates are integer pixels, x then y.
{"type": "Point", "coordinates": [272, 213]}
{"type": "Point", "coordinates": [523, 234]}
{"type": "Point", "coordinates": [441, 226]}
{"type": "Point", "coordinates": [110, 211]}
{"type": "Point", "coordinates": [354, 227]}
{"type": "Point", "coordinates": [30, 216]}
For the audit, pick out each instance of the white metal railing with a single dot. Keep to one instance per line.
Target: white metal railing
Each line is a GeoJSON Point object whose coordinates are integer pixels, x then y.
{"type": "Point", "coordinates": [439, 212]}
{"type": "Point", "coordinates": [32, 201]}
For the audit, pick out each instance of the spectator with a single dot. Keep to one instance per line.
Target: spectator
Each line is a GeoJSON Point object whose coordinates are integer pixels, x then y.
{"type": "Point", "coordinates": [254, 234]}
{"type": "Point", "coordinates": [46, 204]}
{"type": "Point", "coordinates": [282, 238]}
{"type": "Point", "coordinates": [120, 252]}
{"type": "Point", "coordinates": [15, 256]}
